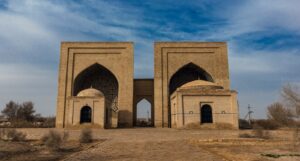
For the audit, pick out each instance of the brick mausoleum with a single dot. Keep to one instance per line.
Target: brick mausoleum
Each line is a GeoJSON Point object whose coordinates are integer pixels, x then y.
{"type": "Point", "coordinates": [191, 85]}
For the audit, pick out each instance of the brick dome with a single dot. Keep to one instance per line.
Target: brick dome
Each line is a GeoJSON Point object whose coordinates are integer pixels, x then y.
{"type": "Point", "coordinates": [91, 92]}
{"type": "Point", "coordinates": [201, 84]}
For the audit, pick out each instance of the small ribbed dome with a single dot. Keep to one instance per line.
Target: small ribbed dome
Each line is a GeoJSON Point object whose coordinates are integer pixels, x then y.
{"type": "Point", "coordinates": [91, 92]}
{"type": "Point", "coordinates": [201, 84]}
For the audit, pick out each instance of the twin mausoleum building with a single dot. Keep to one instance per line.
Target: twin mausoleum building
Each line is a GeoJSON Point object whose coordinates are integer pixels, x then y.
{"type": "Point", "coordinates": [191, 85]}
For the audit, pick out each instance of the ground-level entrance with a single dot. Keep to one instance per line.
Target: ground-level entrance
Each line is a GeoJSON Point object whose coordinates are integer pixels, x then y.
{"type": "Point", "coordinates": [143, 107]}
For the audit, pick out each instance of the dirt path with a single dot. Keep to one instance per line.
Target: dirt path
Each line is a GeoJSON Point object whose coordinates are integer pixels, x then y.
{"type": "Point", "coordinates": [163, 144]}
{"type": "Point", "coordinates": [145, 150]}
{"type": "Point", "coordinates": [148, 144]}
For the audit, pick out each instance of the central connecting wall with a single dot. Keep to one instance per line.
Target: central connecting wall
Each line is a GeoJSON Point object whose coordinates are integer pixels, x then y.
{"type": "Point", "coordinates": [96, 85]}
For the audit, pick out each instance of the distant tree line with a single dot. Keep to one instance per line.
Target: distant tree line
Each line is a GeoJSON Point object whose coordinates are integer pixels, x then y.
{"type": "Point", "coordinates": [24, 111]}
{"type": "Point", "coordinates": [24, 115]}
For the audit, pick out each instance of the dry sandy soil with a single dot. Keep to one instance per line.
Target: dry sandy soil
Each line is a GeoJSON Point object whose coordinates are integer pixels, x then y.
{"type": "Point", "coordinates": [157, 144]}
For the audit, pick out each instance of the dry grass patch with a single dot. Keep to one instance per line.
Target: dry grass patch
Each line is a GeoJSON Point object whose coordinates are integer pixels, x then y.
{"type": "Point", "coordinates": [12, 135]}
{"type": "Point", "coordinates": [52, 140]}
{"type": "Point", "coordinates": [86, 136]}
{"type": "Point", "coordinates": [216, 126]}
{"type": "Point", "coordinates": [257, 133]}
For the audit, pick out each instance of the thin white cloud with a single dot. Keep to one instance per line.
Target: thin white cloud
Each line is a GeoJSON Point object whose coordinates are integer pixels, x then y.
{"type": "Point", "coordinates": [257, 61]}
{"type": "Point", "coordinates": [16, 74]}
{"type": "Point", "coordinates": [258, 15]}
{"type": "Point", "coordinates": [20, 36]}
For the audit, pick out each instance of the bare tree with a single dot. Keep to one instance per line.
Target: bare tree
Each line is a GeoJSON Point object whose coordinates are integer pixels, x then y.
{"type": "Point", "coordinates": [280, 114]}
{"type": "Point", "coordinates": [291, 95]}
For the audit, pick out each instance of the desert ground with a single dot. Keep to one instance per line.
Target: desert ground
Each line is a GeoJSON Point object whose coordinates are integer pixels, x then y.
{"type": "Point", "coordinates": [157, 144]}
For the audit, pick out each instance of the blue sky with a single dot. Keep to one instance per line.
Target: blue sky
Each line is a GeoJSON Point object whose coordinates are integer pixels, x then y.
{"type": "Point", "coordinates": [263, 41]}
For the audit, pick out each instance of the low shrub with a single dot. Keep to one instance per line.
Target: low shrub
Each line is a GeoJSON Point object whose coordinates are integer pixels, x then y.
{"type": "Point", "coordinates": [266, 124]}
{"type": "Point", "coordinates": [86, 136]}
{"type": "Point", "coordinates": [2, 133]}
{"type": "Point", "coordinates": [223, 126]}
{"type": "Point", "coordinates": [65, 136]}
{"type": "Point", "coordinates": [192, 126]}
{"type": "Point", "coordinates": [21, 124]}
{"type": "Point", "coordinates": [246, 135]}
{"type": "Point", "coordinates": [52, 140]}
{"type": "Point", "coordinates": [244, 124]}
{"type": "Point", "coordinates": [48, 122]}
{"type": "Point", "coordinates": [14, 135]}
{"type": "Point", "coordinates": [259, 132]}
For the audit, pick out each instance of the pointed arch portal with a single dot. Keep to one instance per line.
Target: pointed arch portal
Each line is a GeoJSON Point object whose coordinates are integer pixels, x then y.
{"type": "Point", "coordinates": [100, 78]}
{"type": "Point", "coordinates": [185, 74]}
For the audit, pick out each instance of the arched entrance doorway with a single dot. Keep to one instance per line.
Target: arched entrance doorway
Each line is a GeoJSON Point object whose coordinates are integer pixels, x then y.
{"type": "Point", "coordinates": [206, 114]}
{"type": "Point", "coordinates": [143, 113]}
{"type": "Point", "coordinates": [143, 100]}
{"type": "Point", "coordinates": [86, 114]}
{"type": "Point", "coordinates": [102, 79]}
